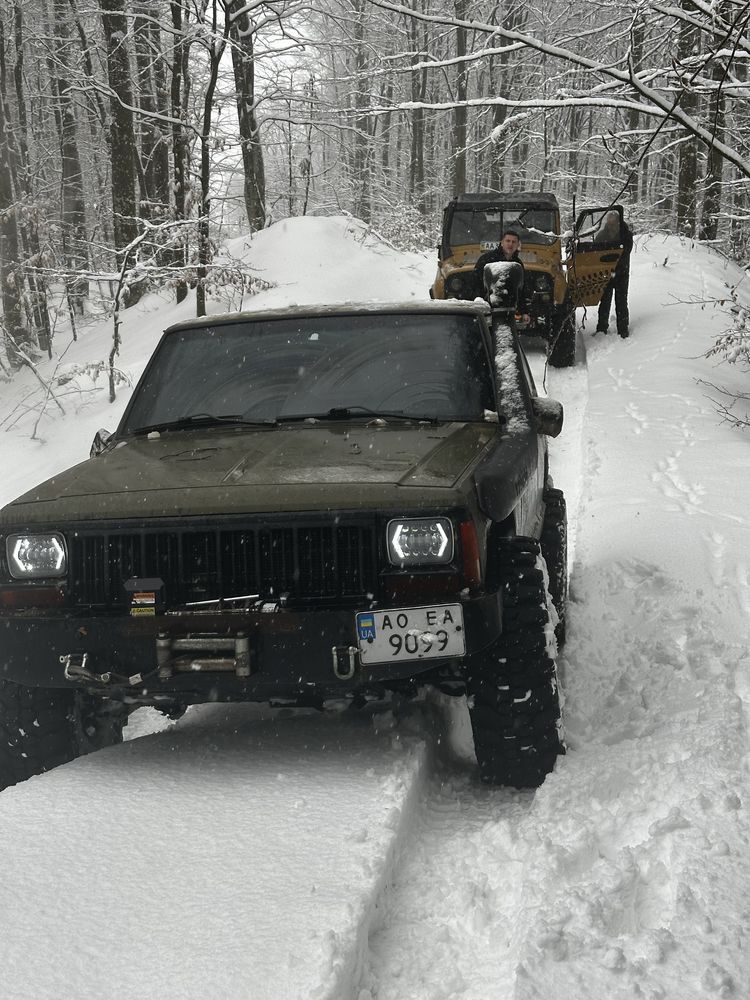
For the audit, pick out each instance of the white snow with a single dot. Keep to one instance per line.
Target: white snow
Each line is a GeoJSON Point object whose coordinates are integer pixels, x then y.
{"type": "Point", "coordinates": [245, 854]}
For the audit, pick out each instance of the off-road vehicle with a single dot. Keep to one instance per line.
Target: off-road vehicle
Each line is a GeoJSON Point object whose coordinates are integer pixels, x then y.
{"type": "Point", "coordinates": [562, 272]}
{"type": "Point", "coordinates": [298, 505]}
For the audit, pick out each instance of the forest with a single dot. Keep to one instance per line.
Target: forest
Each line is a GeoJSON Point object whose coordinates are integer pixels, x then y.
{"type": "Point", "coordinates": [137, 137]}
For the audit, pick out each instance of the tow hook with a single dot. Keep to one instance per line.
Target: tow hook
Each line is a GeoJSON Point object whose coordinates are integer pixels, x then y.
{"type": "Point", "coordinates": [76, 669]}
{"type": "Point", "coordinates": [345, 661]}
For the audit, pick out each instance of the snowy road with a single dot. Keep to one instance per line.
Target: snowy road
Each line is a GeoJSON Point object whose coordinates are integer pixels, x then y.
{"type": "Point", "coordinates": [205, 861]}
{"type": "Point", "coordinates": [242, 855]}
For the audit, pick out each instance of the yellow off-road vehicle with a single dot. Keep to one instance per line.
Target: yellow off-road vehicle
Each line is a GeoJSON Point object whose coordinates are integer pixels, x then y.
{"type": "Point", "coordinates": [562, 271]}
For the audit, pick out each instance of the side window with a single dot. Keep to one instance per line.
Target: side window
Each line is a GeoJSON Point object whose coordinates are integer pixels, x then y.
{"type": "Point", "coordinates": [599, 228]}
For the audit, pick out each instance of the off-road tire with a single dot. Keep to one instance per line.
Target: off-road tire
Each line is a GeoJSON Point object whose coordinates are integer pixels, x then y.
{"type": "Point", "coordinates": [514, 699]}
{"type": "Point", "coordinates": [41, 728]}
{"type": "Point", "coordinates": [555, 551]}
{"type": "Point", "coordinates": [561, 351]}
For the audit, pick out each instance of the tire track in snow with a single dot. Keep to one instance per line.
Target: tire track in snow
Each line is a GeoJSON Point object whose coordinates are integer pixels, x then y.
{"type": "Point", "coordinates": [448, 921]}
{"type": "Point", "coordinates": [453, 919]}
{"type": "Point", "coordinates": [235, 854]}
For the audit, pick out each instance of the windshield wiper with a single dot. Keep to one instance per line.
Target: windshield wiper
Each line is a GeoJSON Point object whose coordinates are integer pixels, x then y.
{"type": "Point", "coordinates": [349, 412]}
{"type": "Point", "coordinates": [521, 217]}
{"type": "Point", "coordinates": [203, 420]}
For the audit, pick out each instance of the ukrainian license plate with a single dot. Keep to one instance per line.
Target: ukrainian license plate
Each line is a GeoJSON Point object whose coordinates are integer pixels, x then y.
{"type": "Point", "coordinates": [411, 633]}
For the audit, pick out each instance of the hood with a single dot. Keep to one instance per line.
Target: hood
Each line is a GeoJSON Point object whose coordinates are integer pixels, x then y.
{"type": "Point", "coordinates": [250, 470]}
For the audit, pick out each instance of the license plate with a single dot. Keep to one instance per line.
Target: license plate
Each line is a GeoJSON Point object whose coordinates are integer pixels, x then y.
{"type": "Point", "coordinates": [411, 633]}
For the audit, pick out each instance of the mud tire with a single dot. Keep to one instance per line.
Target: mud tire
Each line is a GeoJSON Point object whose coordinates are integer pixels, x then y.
{"type": "Point", "coordinates": [41, 728]}
{"type": "Point", "coordinates": [562, 346]}
{"type": "Point", "coordinates": [554, 544]}
{"type": "Point", "coordinates": [514, 698]}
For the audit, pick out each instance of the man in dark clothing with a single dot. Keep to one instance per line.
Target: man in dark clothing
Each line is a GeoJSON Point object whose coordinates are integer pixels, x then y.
{"type": "Point", "coordinates": [510, 243]}
{"type": "Point", "coordinates": [618, 285]}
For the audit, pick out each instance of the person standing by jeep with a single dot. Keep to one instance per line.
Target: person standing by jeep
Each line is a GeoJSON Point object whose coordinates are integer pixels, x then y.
{"type": "Point", "coordinates": [506, 250]}
{"type": "Point", "coordinates": [618, 283]}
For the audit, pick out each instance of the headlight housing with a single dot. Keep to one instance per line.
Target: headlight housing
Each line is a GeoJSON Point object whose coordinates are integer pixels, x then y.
{"type": "Point", "coordinates": [543, 282]}
{"type": "Point", "coordinates": [460, 284]}
{"type": "Point", "coordinates": [35, 556]}
{"type": "Point", "coordinates": [420, 541]}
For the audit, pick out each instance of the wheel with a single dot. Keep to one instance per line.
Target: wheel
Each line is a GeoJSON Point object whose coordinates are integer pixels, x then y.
{"type": "Point", "coordinates": [43, 727]}
{"type": "Point", "coordinates": [554, 543]}
{"type": "Point", "coordinates": [562, 346]}
{"type": "Point", "coordinates": [514, 698]}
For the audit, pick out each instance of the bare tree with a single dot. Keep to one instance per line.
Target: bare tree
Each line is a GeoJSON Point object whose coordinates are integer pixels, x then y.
{"type": "Point", "coordinates": [122, 131]}
{"type": "Point", "coordinates": [73, 199]}
{"type": "Point", "coordinates": [243, 60]}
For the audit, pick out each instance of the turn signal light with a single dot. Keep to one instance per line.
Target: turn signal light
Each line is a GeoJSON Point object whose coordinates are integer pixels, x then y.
{"type": "Point", "coordinates": [472, 566]}
{"type": "Point", "coordinates": [421, 589]}
{"type": "Point", "coordinates": [31, 597]}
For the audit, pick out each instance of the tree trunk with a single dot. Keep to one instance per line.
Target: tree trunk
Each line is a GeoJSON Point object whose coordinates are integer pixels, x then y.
{"type": "Point", "coordinates": [124, 205]}
{"type": "Point", "coordinates": [160, 155]}
{"type": "Point", "coordinates": [28, 221]}
{"type": "Point", "coordinates": [715, 162]}
{"type": "Point", "coordinates": [633, 117]}
{"type": "Point", "coordinates": [215, 52]}
{"type": "Point", "coordinates": [97, 122]}
{"type": "Point", "coordinates": [73, 212]}
{"type": "Point", "coordinates": [15, 331]}
{"type": "Point", "coordinates": [147, 133]}
{"type": "Point", "coordinates": [460, 111]}
{"type": "Point", "coordinates": [179, 92]}
{"type": "Point", "coordinates": [243, 62]}
{"type": "Point", "coordinates": [361, 137]}
{"type": "Point", "coordinates": [418, 90]}
{"type": "Point", "coordinates": [687, 157]}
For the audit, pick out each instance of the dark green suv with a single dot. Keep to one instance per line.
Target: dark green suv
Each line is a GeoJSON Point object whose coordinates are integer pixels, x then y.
{"type": "Point", "coordinates": [298, 505]}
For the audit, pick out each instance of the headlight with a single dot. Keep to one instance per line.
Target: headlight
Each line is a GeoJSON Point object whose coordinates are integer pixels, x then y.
{"type": "Point", "coordinates": [543, 283]}
{"type": "Point", "coordinates": [420, 541]}
{"type": "Point", "coordinates": [456, 285]}
{"type": "Point", "coordinates": [36, 557]}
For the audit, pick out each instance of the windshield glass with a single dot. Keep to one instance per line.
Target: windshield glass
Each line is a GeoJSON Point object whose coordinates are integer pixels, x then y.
{"type": "Point", "coordinates": [418, 365]}
{"type": "Point", "coordinates": [486, 225]}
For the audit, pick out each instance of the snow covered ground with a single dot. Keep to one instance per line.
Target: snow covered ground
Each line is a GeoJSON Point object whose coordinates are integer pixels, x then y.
{"type": "Point", "coordinates": [244, 854]}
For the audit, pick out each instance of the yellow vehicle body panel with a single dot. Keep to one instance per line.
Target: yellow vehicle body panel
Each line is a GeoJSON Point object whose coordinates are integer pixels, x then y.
{"type": "Point", "coordinates": [589, 273]}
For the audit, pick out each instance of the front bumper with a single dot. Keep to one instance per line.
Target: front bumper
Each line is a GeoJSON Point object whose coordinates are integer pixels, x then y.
{"type": "Point", "coordinates": [238, 656]}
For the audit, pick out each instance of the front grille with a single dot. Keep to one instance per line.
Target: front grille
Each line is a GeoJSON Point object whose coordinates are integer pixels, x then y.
{"type": "Point", "coordinates": [307, 562]}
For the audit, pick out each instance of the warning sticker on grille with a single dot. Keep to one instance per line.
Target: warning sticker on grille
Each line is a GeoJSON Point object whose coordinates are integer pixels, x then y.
{"type": "Point", "coordinates": [143, 603]}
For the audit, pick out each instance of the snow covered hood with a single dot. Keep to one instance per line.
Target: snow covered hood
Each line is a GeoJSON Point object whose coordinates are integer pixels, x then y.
{"type": "Point", "coordinates": [238, 470]}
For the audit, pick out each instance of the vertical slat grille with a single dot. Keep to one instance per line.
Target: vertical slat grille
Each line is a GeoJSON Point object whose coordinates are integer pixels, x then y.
{"type": "Point", "coordinates": [313, 562]}
{"type": "Point", "coordinates": [276, 561]}
{"type": "Point", "coordinates": [89, 570]}
{"type": "Point", "coordinates": [239, 568]}
{"type": "Point", "coordinates": [355, 559]}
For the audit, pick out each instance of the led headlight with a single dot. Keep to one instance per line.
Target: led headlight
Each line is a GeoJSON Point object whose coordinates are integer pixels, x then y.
{"type": "Point", "coordinates": [420, 541]}
{"type": "Point", "coordinates": [36, 557]}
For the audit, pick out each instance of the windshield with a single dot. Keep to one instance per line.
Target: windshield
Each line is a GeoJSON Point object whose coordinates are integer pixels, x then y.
{"type": "Point", "coordinates": [486, 225]}
{"type": "Point", "coordinates": [415, 365]}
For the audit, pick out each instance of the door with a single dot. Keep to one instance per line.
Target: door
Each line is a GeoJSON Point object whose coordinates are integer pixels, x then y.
{"type": "Point", "coordinates": [593, 253]}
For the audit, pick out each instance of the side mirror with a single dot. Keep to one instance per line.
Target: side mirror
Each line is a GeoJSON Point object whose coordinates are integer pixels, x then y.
{"type": "Point", "coordinates": [548, 415]}
{"type": "Point", "coordinates": [100, 444]}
